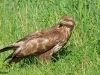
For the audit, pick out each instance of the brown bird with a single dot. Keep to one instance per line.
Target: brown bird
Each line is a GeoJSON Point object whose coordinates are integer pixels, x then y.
{"type": "Point", "coordinates": [43, 43]}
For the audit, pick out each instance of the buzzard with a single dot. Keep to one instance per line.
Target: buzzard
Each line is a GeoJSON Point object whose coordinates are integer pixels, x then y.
{"type": "Point", "coordinates": [43, 43]}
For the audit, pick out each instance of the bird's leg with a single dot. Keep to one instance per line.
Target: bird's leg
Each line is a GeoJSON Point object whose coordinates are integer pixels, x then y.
{"type": "Point", "coordinates": [46, 57]}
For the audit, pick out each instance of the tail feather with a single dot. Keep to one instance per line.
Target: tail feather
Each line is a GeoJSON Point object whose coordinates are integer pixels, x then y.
{"type": "Point", "coordinates": [8, 48]}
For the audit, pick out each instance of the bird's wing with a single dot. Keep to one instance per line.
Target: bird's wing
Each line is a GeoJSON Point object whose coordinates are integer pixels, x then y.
{"type": "Point", "coordinates": [39, 44]}
{"type": "Point", "coordinates": [31, 35]}
{"type": "Point", "coordinates": [37, 34]}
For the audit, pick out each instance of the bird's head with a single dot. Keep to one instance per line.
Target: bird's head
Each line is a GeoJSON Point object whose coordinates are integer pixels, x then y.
{"type": "Point", "coordinates": [67, 21]}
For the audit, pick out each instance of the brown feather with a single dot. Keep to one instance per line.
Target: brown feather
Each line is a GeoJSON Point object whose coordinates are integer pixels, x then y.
{"type": "Point", "coordinates": [42, 43]}
{"type": "Point", "coordinates": [8, 48]}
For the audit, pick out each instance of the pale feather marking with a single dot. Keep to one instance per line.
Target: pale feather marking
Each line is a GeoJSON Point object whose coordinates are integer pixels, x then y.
{"type": "Point", "coordinates": [57, 48]}
{"type": "Point", "coordinates": [70, 23]}
{"type": "Point", "coordinates": [18, 43]}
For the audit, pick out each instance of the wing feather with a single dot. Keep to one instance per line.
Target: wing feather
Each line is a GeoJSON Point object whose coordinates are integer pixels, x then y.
{"type": "Point", "coordinates": [40, 43]}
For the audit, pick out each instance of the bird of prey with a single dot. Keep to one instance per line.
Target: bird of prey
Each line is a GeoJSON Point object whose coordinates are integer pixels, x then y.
{"type": "Point", "coordinates": [43, 43]}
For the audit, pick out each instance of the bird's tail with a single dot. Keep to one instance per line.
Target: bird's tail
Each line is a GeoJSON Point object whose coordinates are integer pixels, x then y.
{"type": "Point", "coordinates": [8, 48]}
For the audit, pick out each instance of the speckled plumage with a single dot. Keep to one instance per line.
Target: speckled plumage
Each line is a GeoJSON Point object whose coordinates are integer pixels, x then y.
{"type": "Point", "coordinates": [43, 43]}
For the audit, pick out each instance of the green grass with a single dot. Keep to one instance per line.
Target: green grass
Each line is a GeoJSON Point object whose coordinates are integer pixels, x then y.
{"type": "Point", "coordinates": [81, 56]}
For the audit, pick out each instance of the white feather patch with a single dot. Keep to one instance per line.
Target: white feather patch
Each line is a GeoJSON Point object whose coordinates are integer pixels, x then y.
{"type": "Point", "coordinates": [57, 48]}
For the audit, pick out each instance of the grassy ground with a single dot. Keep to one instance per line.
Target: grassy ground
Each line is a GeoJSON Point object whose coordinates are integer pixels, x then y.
{"type": "Point", "coordinates": [81, 56]}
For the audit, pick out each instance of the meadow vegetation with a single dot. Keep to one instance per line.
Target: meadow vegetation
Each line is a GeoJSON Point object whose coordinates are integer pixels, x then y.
{"type": "Point", "coordinates": [81, 55]}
